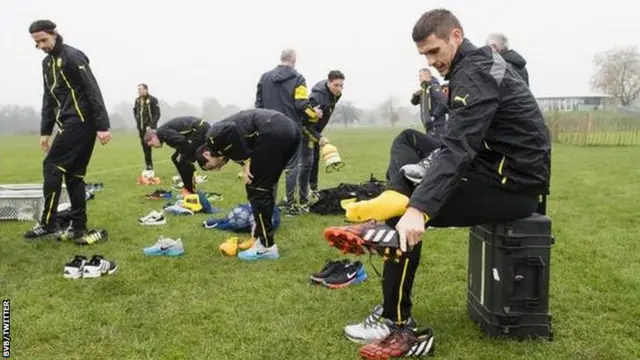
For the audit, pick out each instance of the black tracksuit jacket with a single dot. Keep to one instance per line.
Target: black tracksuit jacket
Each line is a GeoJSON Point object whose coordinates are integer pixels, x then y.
{"type": "Point", "coordinates": [71, 92]}
{"type": "Point", "coordinates": [496, 132]}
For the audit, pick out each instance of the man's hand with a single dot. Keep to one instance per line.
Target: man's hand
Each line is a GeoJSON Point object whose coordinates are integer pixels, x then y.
{"type": "Point", "coordinates": [318, 111]}
{"type": "Point", "coordinates": [323, 141]}
{"type": "Point", "coordinates": [44, 143]}
{"type": "Point", "coordinates": [104, 137]}
{"type": "Point", "coordinates": [247, 176]}
{"type": "Point", "coordinates": [410, 228]}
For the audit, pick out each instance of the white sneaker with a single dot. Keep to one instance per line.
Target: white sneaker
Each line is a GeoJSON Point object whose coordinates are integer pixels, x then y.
{"type": "Point", "coordinates": [153, 218]}
{"type": "Point", "coordinates": [148, 174]}
{"type": "Point", "coordinates": [259, 252]}
{"type": "Point", "coordinates": [98, 266]}
{"type": "Point", "coordinates": [165, 246]}
{"type": "Point", "coordinates": [74, 268]}
{"type": "Point", "coordinates": [372, 329]}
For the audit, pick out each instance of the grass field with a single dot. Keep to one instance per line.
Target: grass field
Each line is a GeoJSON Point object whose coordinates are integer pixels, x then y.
{"type": "Point", "coordinates": [204, 306]}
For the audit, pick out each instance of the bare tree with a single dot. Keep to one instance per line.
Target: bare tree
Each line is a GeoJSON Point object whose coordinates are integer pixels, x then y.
{"type": "Point", "coordinates": [618, 73]}
{"type": "Point", "coordinates": [346, 113]}
{"type": "Point", "coordinates": [389, 110]}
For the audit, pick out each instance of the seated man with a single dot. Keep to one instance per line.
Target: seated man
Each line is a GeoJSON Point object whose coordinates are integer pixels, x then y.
{"type": "Point", "coordinates": [490, 166]}
{"type": "Point", "coordinates": [262, 141]}
{"type": "Point", "coordinates": [185, 134]}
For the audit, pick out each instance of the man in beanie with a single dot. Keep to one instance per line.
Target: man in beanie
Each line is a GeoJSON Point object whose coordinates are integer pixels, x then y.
{"type": "Point", "coordinates": [72, 101]}
{"type": "Point", "coordinates": [185, 134]}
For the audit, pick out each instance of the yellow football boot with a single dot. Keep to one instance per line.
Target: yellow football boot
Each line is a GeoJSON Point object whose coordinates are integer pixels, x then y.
{"type": "Point", "coordinates": [385, 206]}
{"type": "Point", "coordinates": [229, 247]}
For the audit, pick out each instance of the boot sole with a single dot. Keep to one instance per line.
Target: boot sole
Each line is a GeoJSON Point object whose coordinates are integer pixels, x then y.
{"type": "Point", "coordinates": [345, 241]}
{"type": "Point", "coordinates": [348, 242]}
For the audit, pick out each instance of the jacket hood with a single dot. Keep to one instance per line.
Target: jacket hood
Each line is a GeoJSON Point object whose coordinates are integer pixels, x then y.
{"type": "Point", "coordinates": [282, 73]}
{"type": "Point", "coordinates": [514, 58]}
{"type": "Point", "coordinates": [320, 86]}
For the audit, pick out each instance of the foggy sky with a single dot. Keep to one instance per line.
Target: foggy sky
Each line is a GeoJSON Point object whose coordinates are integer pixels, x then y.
{"type": "Point", "coordinates": [189, 50]}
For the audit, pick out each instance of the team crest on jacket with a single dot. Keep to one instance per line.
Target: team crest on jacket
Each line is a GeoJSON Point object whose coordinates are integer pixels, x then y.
{"type": "Point", "coordinates": [59, 62]}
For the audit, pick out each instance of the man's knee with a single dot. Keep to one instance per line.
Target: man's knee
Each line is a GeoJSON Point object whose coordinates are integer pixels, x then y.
{"type": "Point", "coordinates": [407, 136]}
{"type": "Point", "coordinates": [74, 180]}
{"type": "Point", "coordinates": [49, 168]}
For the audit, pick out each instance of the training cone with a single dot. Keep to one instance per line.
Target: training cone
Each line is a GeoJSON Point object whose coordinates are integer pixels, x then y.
{"type": "Point", "coordinates": [331, 158]}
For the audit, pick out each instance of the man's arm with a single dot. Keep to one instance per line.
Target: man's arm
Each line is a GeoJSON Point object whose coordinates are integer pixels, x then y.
{"type": "Point", "coordinates": [308, 122]}
{"type": "Point", "coordinates": [259, 104]}
{"type": "Point", "coordinates": [172, 137]}
{"type": "Point", "coordinates": [225, 139]}
{"type": "Point", "coordinates": [78, 65]}
{"type": "Point", "coordinates": [475, 101]}
{"type": "Point", "coordinates": [155, 112]}
{"type": "Point", "coordinates": [301, 99]}
{"type": "Point", "coordinates": [48, 118]}
{"type": "Point", "coordinates": [438, 101]}
{"type": "Point", "coordinates": [135, 110]}
{"type": "Point", "coordinates": [415, 97]}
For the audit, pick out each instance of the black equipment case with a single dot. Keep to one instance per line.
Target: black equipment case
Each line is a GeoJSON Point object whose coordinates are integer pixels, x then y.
{"type": "Point", "coordinates": [508, 277]}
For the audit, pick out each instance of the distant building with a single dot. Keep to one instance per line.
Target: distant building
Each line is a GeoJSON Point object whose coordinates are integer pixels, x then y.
{"type": "Point", "coordinates": [576, 103]}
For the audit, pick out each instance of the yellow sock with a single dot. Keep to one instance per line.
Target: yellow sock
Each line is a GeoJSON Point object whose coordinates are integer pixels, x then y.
{"type": "Point", "coordinates": [385, 206]}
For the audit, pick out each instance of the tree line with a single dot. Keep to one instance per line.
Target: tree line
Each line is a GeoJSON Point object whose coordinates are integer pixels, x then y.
{"type": "Point", "coordinates": [15, 119]}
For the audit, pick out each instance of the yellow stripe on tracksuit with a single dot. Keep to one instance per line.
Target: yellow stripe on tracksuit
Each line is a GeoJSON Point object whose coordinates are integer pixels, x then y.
{"type": "Point", "coordinates": [53, 196]}
{"type": "Point", "coordinates": [500, 169]}
{"type": "Point", "coordinates": [264, 230]}
{"type": "Point", "coordinates": [500, 166]}
{"type": "Point", "coordinates": [402, 279]}
{"type": "Point", "coordinates": [73, 96]}
{"type": "Point", "coordinates": [53, 86]}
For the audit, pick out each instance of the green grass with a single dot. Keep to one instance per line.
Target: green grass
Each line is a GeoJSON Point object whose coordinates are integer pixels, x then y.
{"type": "Point", "coordinates": [204, 306]}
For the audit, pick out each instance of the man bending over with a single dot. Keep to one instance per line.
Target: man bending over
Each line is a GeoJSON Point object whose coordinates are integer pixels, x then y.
{"type": "Point", "coordinates": [185, 134]}
{"type": "Point", "coordinates": [262, 141]}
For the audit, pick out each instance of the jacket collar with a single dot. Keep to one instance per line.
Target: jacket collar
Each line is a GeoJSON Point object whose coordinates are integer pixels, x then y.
{"type": "Point", "coordinates": [465, 48]}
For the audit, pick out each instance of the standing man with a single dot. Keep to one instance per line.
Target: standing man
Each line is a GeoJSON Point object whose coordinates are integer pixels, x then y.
{"type": "Point", "coordinates": [324, 96]}
{"type": "Point", "coordinates": [263, 142]}
{"type": "Point", "coordinates": [147, 113]}
{"type": "Point", "coordinates": [433, 103]}
{"type": "Point", "coordinates": [499, 43]}
{"type": "Point", "coordinates": [283, 89]}
{"type": "Point", "coordinates": [491, 165]}
{"type": "Point", "coordinates": [185, 134]}
{"type": "Point", "coordinates": [72, 100]}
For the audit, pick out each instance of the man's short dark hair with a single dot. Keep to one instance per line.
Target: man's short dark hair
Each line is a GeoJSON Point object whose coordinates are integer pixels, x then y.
{"type": "Point", "coordinates": [438, 22]}
{"type": "Point", "coordinates": [200, 156]}
{"type": "Point", "coordinates": [144, 86]}
{"type": "Point", "coordinates": [335, 75]}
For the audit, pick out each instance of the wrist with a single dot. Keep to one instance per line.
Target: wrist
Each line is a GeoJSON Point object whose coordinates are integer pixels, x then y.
{"type": "Point", "coordinates": [418, 212]}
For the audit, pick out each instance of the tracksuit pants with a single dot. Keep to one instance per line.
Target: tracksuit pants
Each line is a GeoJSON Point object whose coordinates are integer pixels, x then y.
{"type": "Point", "coordinates": [146, 149]}
{"type": "Point", "coordinates": [473, 202]}
{"type": "Point", "coordinates": [273, 151]}
{"type": "Point", "coordinates": [67, 161]}
{"type": "Point", "coordinates": [313, 178]}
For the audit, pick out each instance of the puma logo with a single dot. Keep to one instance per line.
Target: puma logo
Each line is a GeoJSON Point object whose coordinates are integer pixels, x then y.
{"type": "Point", "coordinates": [461, 99]}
